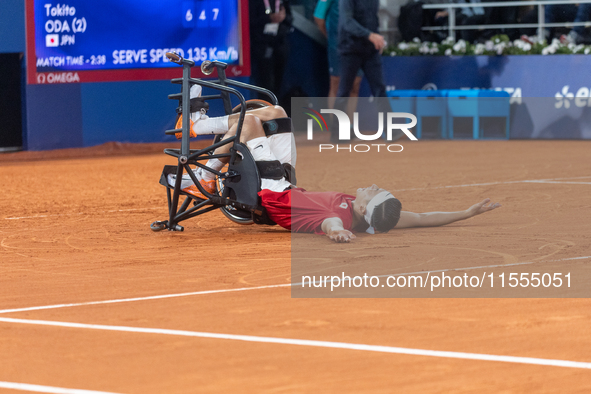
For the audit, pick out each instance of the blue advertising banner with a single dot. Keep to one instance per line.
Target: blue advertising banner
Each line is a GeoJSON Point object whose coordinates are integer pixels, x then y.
{"type": "Point", "coordinates": [550, 95]}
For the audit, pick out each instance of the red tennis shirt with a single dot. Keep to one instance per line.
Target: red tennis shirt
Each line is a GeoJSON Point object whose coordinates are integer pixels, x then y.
{"type": "Point", "coordinates": [302, 211]}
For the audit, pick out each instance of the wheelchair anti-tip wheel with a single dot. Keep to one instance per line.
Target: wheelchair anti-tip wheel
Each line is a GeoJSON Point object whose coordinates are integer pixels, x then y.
{"type": "Point", "coordinates": [158, 226]}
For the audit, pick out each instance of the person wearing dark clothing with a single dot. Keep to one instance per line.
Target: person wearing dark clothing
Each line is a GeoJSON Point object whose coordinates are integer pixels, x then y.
{"type": "Point", "coordinates": [556, 13]}
{"type": "Point", "coordinates": [360, 45]}
{"type": "Point", "coordinates": [581, 34]}
{"type": "Point", "coordinates": [270, 24]}
{"type": "Point", "coordinates": [500, 16]}
{"type": "Point", "coordinates": [464, 16]}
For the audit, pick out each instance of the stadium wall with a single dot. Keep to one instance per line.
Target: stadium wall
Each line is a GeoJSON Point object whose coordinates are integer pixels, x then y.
{"type": "Point", "coordinates": [550, 95]}
{"type": "Point", "coordinates": [12, 26]}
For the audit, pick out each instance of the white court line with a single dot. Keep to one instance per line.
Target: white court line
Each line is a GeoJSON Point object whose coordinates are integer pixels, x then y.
{"type": "Point", "coordinates": [551, 180]}
{"type": "Point", "coordinates": [560, 182]}
{"type": "Point", "coordinates": [158, 297]}
{"type": "Point", "coordinates": [313, 343]}
{"type": "Point", "coordinates": [398, 190]}
{"type": "Point", "coordinates": [47, 389]}
{"type": "Point", "coordinates": [164, 296]}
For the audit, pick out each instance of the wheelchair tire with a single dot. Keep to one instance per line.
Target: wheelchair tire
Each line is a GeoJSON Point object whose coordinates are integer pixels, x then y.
{"type": "Point", "coordinates": [237, 215]}
{"type": "Point", "coordinates": [159, 226]}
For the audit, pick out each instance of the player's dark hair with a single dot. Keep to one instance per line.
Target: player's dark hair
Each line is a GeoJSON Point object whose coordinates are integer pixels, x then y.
{"type": "Point", "coordinates": [386, 215]}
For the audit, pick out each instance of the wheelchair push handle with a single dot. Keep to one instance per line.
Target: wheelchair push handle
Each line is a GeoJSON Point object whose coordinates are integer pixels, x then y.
{"type": "Point", "coordinates": [176, 58]}
{"type": "Point", "coordinates": [208, 66]}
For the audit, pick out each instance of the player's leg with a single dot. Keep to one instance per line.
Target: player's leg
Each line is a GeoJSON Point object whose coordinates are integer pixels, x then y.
{"type": "Point", "coordinates": [222, 124]}
{"type": "Point", "coordinates": [284, 148]}
{"type": "Point", "coordinates": [251, 128]}
{"type": "Point", "coordinates": [253, 136]}
{"type": "Point", "coordinates": [267, 113]}
{"type": "Point", "coordinates": [282, 144]}
{"type": "Point", "coordinates": [202, 124]}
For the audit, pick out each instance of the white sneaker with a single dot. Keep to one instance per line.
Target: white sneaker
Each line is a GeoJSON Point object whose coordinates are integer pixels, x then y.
{"type": "Point", "coordinates": [195, 116]}
{"type": "Point", "coordinates": [187, 181]}
{"type": "Point", "coordinates": [195, 91]}
{"type": "Point", "coordinates": [201, 124]}
{"type": "Point", "coordinates": [188, 186]}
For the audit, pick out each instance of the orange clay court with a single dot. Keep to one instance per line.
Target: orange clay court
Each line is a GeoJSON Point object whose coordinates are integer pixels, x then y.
{"type": "Point", "coordinates": [91, 299]}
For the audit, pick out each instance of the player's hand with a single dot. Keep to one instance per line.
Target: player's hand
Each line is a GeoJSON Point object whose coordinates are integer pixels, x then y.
{"type": "Point", "coordinates": [278, 17]}
{"type": "Point", "coordinates": [341, 236]}
{"type": "Point", "coordinates": [321, 23]}
{"type": "Point", "coordinates": [378, 41]}
{"type": "Point", "coordinates": [482, 207]}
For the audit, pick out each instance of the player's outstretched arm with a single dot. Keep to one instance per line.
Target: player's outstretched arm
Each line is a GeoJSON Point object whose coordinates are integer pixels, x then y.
{"type": "Point", "coordinates": [434, 219]}
{"type": "Point", "coordinates": [333, 228]}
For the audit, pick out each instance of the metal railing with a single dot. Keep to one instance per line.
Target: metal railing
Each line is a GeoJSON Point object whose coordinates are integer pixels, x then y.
{"type": "Point", "coordinates": [541, 25]}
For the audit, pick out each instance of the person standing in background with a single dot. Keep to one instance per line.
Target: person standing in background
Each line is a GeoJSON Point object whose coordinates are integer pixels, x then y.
{"type": "Point", "coordinates": [580, 34]}
{"type": "Point", "coordinates": [326, 17]}
{"type": "Point", "coordinates": [270, 25]}
{"type": "Point", "coordinates": [360, 47]}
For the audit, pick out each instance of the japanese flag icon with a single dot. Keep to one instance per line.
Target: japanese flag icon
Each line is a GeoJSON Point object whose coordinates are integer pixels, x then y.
{"type": "Point", "coordinates": [52, 40]}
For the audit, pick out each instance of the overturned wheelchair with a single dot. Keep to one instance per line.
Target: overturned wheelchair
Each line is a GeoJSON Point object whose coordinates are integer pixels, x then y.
{"type": "Point", "coordinates": [237, 184]}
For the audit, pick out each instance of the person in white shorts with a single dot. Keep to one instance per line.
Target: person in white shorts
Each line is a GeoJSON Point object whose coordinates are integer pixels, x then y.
{"type": "Point", "coordinates": [279, 146]}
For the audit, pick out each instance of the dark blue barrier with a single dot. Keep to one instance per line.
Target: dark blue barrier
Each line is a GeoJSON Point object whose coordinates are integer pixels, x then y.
{"type": "Point", "coordinates": [550, 95]}
{"type": "Point", "coordinates": [448, 105]}
{"type": "Point", "coordinates": [87, 114]}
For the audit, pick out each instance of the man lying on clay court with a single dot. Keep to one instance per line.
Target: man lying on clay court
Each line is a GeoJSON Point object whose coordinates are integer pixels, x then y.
{"type": "Point", "coordinates": [335, 214]}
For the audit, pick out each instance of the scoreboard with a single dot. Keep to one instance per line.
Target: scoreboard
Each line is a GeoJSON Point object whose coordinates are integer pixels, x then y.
{"type": "Point", "coordinates": [117, 40]}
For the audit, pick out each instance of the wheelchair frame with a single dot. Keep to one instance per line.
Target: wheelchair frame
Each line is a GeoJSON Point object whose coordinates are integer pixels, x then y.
{"type": "Point", "coordinates": [242, 167]}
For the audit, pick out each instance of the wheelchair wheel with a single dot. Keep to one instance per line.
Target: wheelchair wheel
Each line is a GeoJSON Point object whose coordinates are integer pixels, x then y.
{"type": "Point", "coordinates": [159, 226]}
{"type": "Point", "coordinates": [237, 215]}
